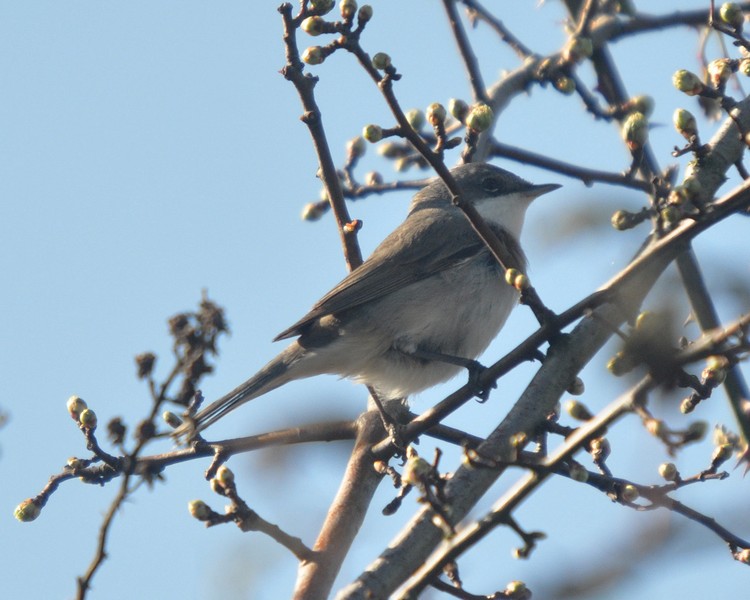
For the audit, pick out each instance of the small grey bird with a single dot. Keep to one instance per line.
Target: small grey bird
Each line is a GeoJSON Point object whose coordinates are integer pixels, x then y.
{"type": "Point", "coordinates": [428, 301]}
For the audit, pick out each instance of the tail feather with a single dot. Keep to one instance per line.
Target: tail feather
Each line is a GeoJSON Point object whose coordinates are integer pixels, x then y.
{"type": "Point", "coordinates": [276, 373]}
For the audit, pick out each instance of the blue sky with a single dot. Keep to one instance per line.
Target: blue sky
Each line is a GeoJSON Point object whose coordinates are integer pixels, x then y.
{"type": "Point", "coordinates": [151, 150]}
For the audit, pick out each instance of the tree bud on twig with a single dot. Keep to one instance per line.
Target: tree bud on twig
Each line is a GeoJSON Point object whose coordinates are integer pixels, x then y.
{"type": "Point", "coordinates": [381, 61]}
{"type": "Point", "coordinates": [684, 123]}
{"type": "Point", "coordinates": [687, 82]}
{"type": "Point", "coordinates": [372, 133]}
{"type": "Point", "coordinates": [27, 511]}
{"type": "Point", "coordinates": [313, 55]}
{"type": "Point", "coordinates": [732, 15]}
{"type": "Point", "coordinates": [479, 118]}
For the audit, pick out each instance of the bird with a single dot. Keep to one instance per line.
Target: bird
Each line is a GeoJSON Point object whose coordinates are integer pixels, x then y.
{"type": "Point", "coordinates": [424, 305]}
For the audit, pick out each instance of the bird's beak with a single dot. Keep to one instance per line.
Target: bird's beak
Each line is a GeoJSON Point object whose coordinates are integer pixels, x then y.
{"type": "Point", "coordinates": [538, 190]}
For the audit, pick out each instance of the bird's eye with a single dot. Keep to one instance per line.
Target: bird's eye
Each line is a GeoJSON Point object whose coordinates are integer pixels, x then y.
{"type": "Point", "coordinates": [490, 184]}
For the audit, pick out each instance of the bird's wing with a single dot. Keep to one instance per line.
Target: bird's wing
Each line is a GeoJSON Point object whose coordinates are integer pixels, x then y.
{"type": "Point", "coordinates": [407, 255]}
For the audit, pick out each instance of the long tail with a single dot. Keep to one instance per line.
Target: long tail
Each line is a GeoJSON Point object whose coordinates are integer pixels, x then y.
{"type": "Point", "coordinates": [276, 373]}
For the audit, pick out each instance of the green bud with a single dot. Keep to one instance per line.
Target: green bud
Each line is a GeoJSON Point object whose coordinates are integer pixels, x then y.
{"type": "Point", "coordinates": [458, 108]}
{"type": "Point", "coordinates": [687, 405]}
{"type": "Point", "coordinates": [76, 406]}
{"type": "Point", "coordinates": [75, 463]}
{"type": "Point", "coordinates": [619, 364]}
{"type": "Point", "coordinates": [721, 454]}
{"type": "Point", "coordinates": [390, 150]}
{"type": "Point", "coordinates": [656, 427]}
{"type": "Point", "coordinates": [365, 13]}
{"type": "Point", "coordinates": [381, 61]}
{"type": "Point", "coordinates": [415, 470]}
{"type": "Point", "coordinates": [313, 25]}
{"type": "Point", "coordinates": [744, 67]}
{"type": "Point", "coordinates": [322, 7]}
{"type": "Point", "coordinates": [521, 282]}
{"type": "Point", "coordinates": [356, 147]}
{"type": "Point", "coordinates": [313, 55]}
{"type": "Point", "coordinates": [348, 8]}
{"type": "Point", "coordinates": [600, 449]}
{"type": "Point", "coordinates": [225, 475]}
{"type": "Point", "coordinates": [671, 215]}
{"type": "Point", "coordinates": [436, 113]}
{"type": "Point", "coordinates": [510, 275]}
{"type": "Point", "coordinates": [630, 493]}
{"type": "Point", "coordinates": [373, 178]}
{"type": "Point", "coordinates": [199, 510]}
{"type": "Point", "coordinates": [643, 104]}
{"type": "Point", "coordinates": [479, 118]}
{"type": "Point", "coordinates": [171, 419]}
{"type": "Point", "coordinates": [27, 511]}
{"type": "Point", "coordinates": [684, 123]}
{"type": "Point", "coordinates": [313, 211]}
{"type": "Point", "coordinates": [668, 471]}
{"type": "Point", "coordinates": [372, 133]}
{"type": "Point", "coordinates": [88, 419]}
{"type": "Point", "coordinates": [516, 590]}
{"type": "Point", "coordinates": [687, 82]}
{"type": "Point", "coordinates": [565, 85]}
{"type": "Point", "coordinates": [577, 387]}
{"type": "Point", "coordinates": [416, 119]}
{"type": "Point", "coordinates": [732, 15]}
{"type": "Point", "coordinates": [578, 410]}
{"type": "Point", "coordinates": [635, 131]}
{"type": "Point", "coordinates": [621, 220]}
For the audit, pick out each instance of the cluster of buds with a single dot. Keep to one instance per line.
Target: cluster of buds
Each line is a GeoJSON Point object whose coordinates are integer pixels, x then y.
{"type": "Point", "coordinates": [518, 280]}
{"type": "Point", "coordinates": [81, 413]}
{"type": "Point", "coordinates": [316, 25]}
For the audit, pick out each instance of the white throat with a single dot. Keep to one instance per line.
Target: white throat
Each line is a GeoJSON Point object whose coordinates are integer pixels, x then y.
{"type": "Point", "coordinates": [507, 211]}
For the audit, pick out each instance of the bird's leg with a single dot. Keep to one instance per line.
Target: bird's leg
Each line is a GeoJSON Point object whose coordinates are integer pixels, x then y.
{"type": "Point", "coordinates": [474, 367]}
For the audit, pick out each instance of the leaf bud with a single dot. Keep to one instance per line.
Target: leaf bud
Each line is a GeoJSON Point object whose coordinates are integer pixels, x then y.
{"type": "Point", "coordinates": [732, 15]}
{"type": "Point", "coordinates": [322, 7]}
{"type": "Point", "coordinates": [687, 82]}
{"type": "Point", "coordinates": [365, 13]}
{"type": "Point", "coordinates": [199, 509]}
{"type": "Point", "coordinates": [416, 119]}
{"type": "Point", "coordinates": [479, 118]}
{"type": "Point", "coordinates": [668, 471]}
{"type": "Point", "coordinates": [372, 133]}
{"type": "Point", "coordinates": [684, 123]}
{"type": "Point", "coordinates": [27, 511]}
{"type": "Point", "coordinates": [76, 405]}
{"type": "Point", "coordinates": [348, 8]}
{"type": "Point", "coordinates": [313, 55]}
{"type": "Point", "coordinates": [313, 25]}
{"type": "Point", "coordinates": [458, 108]}
{"type": "Point", "coordinates": [435, 113]}
{"type": "Point", "coordinates": [381, 61]}
{"type": "Point", "coordinates": [635, 131]}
